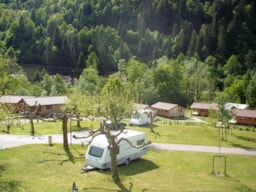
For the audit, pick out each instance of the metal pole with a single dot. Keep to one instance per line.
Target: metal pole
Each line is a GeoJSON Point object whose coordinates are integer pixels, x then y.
{"type": "Point", "coordinates": [219, 148]}
{"type": "Point", "coordinates": [219, 138]}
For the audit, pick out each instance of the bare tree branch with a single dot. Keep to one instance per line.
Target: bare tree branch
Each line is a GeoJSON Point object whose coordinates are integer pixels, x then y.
{"type": "Point", "coordinates": [85, 137]}
{"type": "Point", "coordinates": [135, 146]}
{"type": "Point", "coordinates": [121, 130]}
{"type": "Point", "coordinates": [92, 133]}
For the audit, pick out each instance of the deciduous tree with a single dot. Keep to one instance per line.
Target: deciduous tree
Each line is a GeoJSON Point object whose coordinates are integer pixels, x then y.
{"type": "Point", "coordinates": [89, 82]}
{"type": "Point", "coordinates": [115, 102]}
{"type": "Point", "coordinates": [10, 71]}
{"type": "Point", "coordinates": [233, 66]}
{"type": "Point", "coordinates": [251, 92]}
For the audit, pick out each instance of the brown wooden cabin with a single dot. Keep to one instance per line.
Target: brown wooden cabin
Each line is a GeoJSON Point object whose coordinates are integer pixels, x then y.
{"type": "Point", "coordinates": [169, 110]}
{"type": "Point", "coordinates": [46, 105]}
{"type": "Point", "coordinates": [12, 101]}
{"type": "Point", "coordinates": [245, 117]}
{"type": "Point", "coordinates": [203, 109]}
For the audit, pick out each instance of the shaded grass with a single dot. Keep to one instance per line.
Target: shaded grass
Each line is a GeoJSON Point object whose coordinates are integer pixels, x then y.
{"type": "Point", "coordinates": [51, 127]}
{"type": "Point", "coordinates": [43, 168]}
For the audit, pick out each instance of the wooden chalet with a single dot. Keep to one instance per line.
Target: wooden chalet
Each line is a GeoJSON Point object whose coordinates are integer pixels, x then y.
{"type": "Point", "coordinates": [203, 109]}
{"type": "Point", "coordinates": [12, 101]}
{"type": "Point", "coordinates": [45, 105]}
{"type": "Point", "coordinates": [245, 117]}
{"type": "Point", "coordinates": [169, 110]}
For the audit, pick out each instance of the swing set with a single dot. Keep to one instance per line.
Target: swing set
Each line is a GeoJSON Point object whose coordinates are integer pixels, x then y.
{"type": "Point", "coordinates": [219, 164]}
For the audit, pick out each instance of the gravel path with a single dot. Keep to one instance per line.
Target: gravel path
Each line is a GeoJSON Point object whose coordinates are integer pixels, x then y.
{"type": "Point", "coordinates": [199, 148]}
{"type": "Point", "coordinates": [8, 141]}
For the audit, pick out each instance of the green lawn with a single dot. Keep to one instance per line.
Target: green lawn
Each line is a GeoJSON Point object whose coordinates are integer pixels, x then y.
{"type": "Point", "coordinates": [42, 168]}
{"type": "Point", "coordinates": [199, 135]}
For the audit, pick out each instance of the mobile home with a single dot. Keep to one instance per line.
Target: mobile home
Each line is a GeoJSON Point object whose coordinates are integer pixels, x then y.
{"type": "Point", "coordinates": [141, 117]}
{"type": "Point", "coordinates": [98, 154]}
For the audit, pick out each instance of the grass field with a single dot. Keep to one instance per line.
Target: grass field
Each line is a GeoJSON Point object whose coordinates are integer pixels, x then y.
{"type": "Point", "coordinates": [42, 168]}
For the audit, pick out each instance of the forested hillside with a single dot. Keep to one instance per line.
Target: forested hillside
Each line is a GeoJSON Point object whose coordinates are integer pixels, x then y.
{"type": "Point", "coordinates": [66, 36]}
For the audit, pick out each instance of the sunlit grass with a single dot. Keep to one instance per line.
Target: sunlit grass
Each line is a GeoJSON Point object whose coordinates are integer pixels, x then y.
{"type": "Point", "coordinates": [51, 169]}
{"type": "Point", "coordinates": [44, 168]}
{"type": "Point", "coordinates": [201, 134]}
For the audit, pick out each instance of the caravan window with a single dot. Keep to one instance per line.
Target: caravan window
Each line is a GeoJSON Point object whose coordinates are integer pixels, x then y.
{"type": "Point", "coordinates": [140, 142]}
{"type": "Point", "coordinates": [96, 151]}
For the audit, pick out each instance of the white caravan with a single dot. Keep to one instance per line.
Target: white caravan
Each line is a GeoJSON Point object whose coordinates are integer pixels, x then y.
{"type": "Point", "coordinates": [141, 117]}
{"type": "Point", "coordinates": [98, 154]}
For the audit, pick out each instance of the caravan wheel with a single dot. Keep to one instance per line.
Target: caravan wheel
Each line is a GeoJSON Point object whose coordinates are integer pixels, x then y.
{"type": "Point", "coordinates": [127, 161]}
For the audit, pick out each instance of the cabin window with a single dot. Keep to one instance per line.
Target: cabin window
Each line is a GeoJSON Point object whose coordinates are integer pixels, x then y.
{"type": "Point", "coordinates": [140, 142]}
{"type": "Point", "coordinates": [96, 151]}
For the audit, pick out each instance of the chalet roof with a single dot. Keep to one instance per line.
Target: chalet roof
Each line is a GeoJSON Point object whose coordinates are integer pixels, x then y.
{"type": "Point", "coordinates": [52, 100]}
{"type": "Point", "coordinates": [12, 99]}
{"type": "Point", "coordinates": [229, 106]}
{"type": "Point", "coordinates": [245, 113]}
{"type": "Point", "coordinates": [164, 106]}
{"type": "Point", "coordinates": [213, 106]}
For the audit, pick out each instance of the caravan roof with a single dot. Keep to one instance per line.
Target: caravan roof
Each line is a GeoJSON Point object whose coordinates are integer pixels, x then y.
{"type": "Point", "coordinates": [102, 139]}
{"type": "Point", "coordinates": [129, 133]}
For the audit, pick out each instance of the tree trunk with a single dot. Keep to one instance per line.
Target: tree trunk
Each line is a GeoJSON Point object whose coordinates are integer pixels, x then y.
{"type": "Point", "coordinates": [222, 133]}
{"type": "Point", "coordinates": [31, 117]}
{"type": "Point", "coordinates": [8, 128]}
{"type": "Point", "coordinates": [78, 120]}
{"type": "Point", "coordinates": [31, 123]}
{"type": "Point", "coordinates": [113, 152]}
{"type": "Point", "coordinates": [226, 131]}
{"type": "Point", "coordinates": [65, 131]}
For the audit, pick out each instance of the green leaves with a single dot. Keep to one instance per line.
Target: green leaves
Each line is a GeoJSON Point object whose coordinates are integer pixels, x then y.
{"type": "Point", "coordinates": [115, 102]}
{"type": "Point", "coordinates": [251, 92]}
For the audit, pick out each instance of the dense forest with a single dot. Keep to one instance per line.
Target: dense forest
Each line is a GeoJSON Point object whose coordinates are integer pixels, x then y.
{"type": "Point", "coordinates": [189, 49]}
